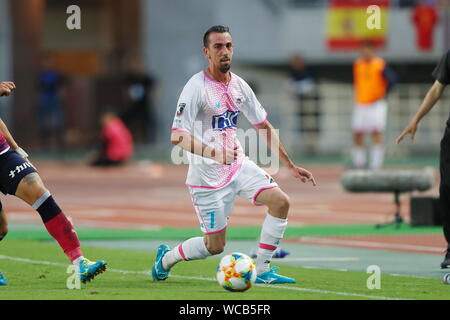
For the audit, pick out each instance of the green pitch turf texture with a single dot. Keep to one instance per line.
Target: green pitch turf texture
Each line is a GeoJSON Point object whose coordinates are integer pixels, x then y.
{"type": "Point", "coordinates": [37, 270]}
{"type": "Point", "coordinates": [36, 232]}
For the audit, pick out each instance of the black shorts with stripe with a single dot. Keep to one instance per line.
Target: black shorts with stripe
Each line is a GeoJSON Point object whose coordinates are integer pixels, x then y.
{"type": "Point", "coordinates": [13, 168]}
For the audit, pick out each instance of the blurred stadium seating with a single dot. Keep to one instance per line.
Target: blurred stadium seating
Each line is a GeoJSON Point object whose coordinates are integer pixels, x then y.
{"type": "Point", "coordinates": [95, 60]}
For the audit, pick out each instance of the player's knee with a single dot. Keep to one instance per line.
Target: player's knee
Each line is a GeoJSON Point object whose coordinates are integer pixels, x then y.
{"type": "Point", "coordinates": [215, 248]}
{"type": "Point", "coordinates": [285, 204]}
{"type": "Point", "coordinates": [31, 187]}
{"type": "Point", "coordinates": [36, 192]}
{"type": "Point", "coordinates": [282, 204]}
{"type": "Point", "coordinates": [35, 195]}
{"type": "Point", "coordinates": [40, 191]}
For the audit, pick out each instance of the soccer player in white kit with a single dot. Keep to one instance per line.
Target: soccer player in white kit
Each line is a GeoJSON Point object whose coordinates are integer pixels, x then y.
{"type": "Point", "coordinates": [205, 125]}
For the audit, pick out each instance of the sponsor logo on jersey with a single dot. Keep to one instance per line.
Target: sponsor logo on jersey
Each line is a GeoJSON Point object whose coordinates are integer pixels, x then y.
{"type": "Point", "coordinates": [181, 108]}
{"type": "Point", "coordinates": [228, 119]}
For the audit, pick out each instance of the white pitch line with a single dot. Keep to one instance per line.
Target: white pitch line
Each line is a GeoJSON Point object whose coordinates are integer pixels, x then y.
{"type": "Point", "coordinates": [369, 244]}
{"type": "Point", "coordinates": [323, 259]}
{"type": "Point", "coordinates": [349, 294]}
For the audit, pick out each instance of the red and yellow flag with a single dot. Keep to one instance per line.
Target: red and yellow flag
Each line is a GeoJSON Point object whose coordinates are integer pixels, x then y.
{"type": "Point", "coordinates": [347, 23]}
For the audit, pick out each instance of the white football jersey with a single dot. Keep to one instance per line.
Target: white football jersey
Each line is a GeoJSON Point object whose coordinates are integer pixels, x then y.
{"type": "Point", "coordinates": [209, 110]}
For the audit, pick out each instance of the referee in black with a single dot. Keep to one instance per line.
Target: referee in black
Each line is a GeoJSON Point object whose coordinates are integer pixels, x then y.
{"type": "Point", "coordinates": [442, 76]}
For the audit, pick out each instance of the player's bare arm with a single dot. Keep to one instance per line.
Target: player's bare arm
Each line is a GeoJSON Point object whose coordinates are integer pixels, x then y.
{"type": "Point", "coordinates": [8, 136]}
{"type": "Point", "coordinates": [433, 95]}
{"type": "Point", "coordinates": [5, 90]}
{"type": "Point", "coordinates": [189, 143]}
{"type": "Point", "coordinates": [274, 142]}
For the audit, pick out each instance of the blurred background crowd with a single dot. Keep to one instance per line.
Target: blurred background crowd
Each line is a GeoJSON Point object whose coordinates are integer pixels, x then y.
{"type": "Point", "coordinates": [131, 59]}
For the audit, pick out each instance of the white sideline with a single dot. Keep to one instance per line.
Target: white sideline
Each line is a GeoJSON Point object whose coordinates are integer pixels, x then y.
{"type": "Point", "coordinates": [370, 244]}
{"type": "Point", "coordinates": [321, 259]}
{"type": "Point", "coordinates": [206, 279]}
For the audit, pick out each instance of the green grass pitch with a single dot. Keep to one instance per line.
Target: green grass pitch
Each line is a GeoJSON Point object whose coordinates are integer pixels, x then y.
{"type": "Point", "coordinates": [37, 270]}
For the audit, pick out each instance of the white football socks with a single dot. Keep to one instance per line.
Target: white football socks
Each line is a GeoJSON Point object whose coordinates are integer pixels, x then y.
{"type": "Point", "coordinates": [191, 249]}
{"type": "Point", "coordinates": [359, 157]}
{"type": "Point", "coordinates": [271, 234]}
{"type": "Point", "coordinates": [77, 261]}
{"type": "Point", "coordinates": [376, 156]}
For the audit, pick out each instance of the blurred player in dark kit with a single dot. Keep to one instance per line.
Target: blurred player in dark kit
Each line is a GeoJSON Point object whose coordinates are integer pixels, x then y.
{"type": "Point", "coordinates": [19, 177]}
{"type": "Point", "coordinates": [442, 76]}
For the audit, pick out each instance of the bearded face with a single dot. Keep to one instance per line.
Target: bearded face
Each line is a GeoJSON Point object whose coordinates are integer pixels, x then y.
{"type": "Point", "coordinates": [220, 51]}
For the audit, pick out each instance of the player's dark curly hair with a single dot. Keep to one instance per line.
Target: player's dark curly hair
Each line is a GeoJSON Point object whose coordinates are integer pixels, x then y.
{"type": "Point", "coordinates": [214, 29]}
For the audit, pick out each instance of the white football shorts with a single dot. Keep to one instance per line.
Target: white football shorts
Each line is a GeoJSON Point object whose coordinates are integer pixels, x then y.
{"type": "Point", "coordinates": [370, 118]}
{"type": "Point", "coordinates": [214, 206]}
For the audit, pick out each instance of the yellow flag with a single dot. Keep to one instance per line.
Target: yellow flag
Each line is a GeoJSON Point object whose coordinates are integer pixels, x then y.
{"type": "Point", "coordinates": [350, 22]}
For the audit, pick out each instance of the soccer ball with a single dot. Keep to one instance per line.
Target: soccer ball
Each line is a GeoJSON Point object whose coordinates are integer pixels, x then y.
{"type": "Point", "coordinates": [236, 272]}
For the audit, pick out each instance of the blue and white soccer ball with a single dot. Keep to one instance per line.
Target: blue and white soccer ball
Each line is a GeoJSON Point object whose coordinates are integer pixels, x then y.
{"type": "Point", "coordinates": [236, 272]}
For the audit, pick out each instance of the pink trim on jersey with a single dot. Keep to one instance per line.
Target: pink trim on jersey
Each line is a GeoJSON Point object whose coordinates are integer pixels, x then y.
{"type": "Point", "coordinates": [260, 123]}
{"type": "Point", "coordinates": [223, 184]}
{"type": "Point", "coordinates": [4, 145]}
{"type": "Point", "coordinates": [178, 129]}
{"type": "Point", "coordinates": [215, 81]}
{"type": "Point", "coordinates": [267, 246]}
{"type": "Point", "coordinates": [258, 192]}
{"type": "Point", "coordinates": [180, 250]}
{"type": "Point", "coordinates": [4, 150]}
{"type": "Point", "coordinates": [213, 232]}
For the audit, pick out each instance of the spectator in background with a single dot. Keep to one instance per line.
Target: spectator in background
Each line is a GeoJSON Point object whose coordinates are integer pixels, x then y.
{"type": "Point", "coordinates": [139, 115]}
{"type": "Point", "coordinates": [302, 83]}
{"type": "Point", "coordinates": [425, 19]}
{"type": "Point", "coordinates": [116, 142]}
{"type": "Point", "coordinates": [373, 80]}
{"type": "Point", "coordinates": [50, 109]}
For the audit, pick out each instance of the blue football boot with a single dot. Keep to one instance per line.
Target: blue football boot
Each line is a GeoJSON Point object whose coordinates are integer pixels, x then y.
{"type": "Point", "coordinates": [89, 270]}
{"type": "Point", "coordinates": [2, 280]}
{"type": "Point", "coordinates": [158, 271]}
{"type": "Point", "coordinates": [271, 277]}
